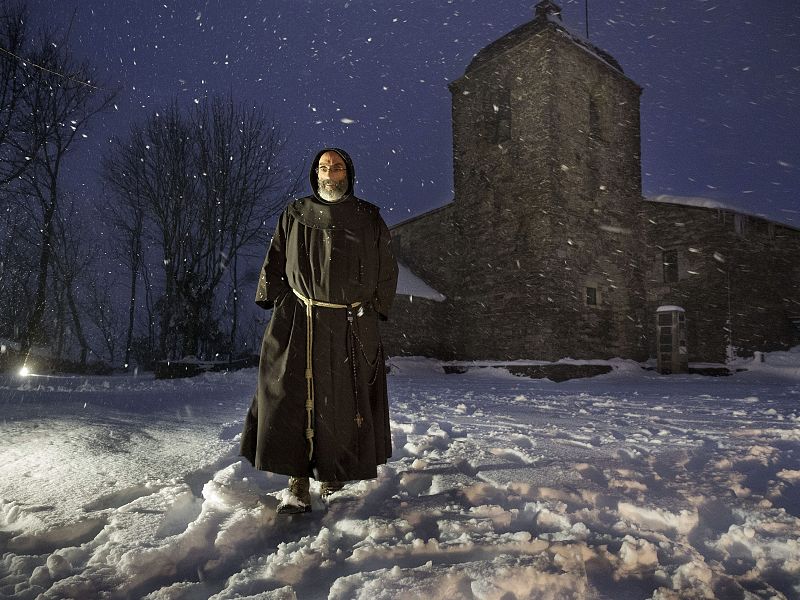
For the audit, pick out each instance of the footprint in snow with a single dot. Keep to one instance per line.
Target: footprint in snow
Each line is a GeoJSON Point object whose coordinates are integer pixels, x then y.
{"type": "Point", "coordinates": [119, 498]}
{"type": "Point", "coordinates": [74, 534]}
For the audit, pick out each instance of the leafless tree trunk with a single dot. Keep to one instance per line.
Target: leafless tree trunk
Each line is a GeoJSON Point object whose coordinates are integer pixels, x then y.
{"type": "Point", "coordinates": [76, 321]}
{"type": "Point", "coordinates": [128, 220]}
{"type": "Point", "coordinates": [71, 261]}
{"type": "Point", "coordinates": [59, 322]}
{"type": "Point", "coordinates": [149, 303]}
{"type": "Point", "coordinates": [134, 246]}
{"type": "Point", "coordinates": [58, 105]}
{"type": "Point", "coordinates": [16, 271]}
{"type": "Point", "coordinates": [234, 307]}
{"type": "Point", "coordinates": [99, 309]}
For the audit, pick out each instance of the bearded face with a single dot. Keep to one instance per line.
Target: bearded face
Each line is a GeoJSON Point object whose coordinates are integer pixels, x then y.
{"type": "Point", "coordinates": [332, 190]}
{"type": "Point", "coordinates": [331, 177]}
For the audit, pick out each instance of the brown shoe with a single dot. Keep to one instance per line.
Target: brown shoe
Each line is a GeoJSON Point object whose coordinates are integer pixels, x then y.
{"type": "Point", "coordinates": [328, 488]}
{"type": "Point", "coordinates": [298, 498]}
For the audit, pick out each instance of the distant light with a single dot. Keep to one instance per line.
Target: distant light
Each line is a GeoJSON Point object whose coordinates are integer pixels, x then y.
{"type": "Point", "coordinates": [24, 372]}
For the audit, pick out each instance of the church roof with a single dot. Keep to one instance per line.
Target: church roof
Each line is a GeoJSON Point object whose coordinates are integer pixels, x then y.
{"type": "Point", "coordinates": [548, 15]}
{"type": "Point", "coordinates": [700, 202]}
{"type": "Point", "coordinates": [445, 207]}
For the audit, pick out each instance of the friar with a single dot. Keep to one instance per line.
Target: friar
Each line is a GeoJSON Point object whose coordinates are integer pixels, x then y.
{"type": "Point", "coordinates": [321, 406]}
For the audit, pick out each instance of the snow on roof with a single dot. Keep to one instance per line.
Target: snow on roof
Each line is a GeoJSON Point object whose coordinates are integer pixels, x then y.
{"type": "Point", "coordinates": [409, 284]}
{"type": "Point", "coordinates": [697, 201]}
{"type": "Point", "coordinates": [669, 308]}
{"type": "Point", "coordinates": [588, 47]}
{"type": "Point", "coordinates": [700, 202]}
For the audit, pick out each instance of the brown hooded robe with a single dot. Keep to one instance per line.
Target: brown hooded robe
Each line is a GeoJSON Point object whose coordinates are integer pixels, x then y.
{"type": "Point", "coordinates": [338, 252]}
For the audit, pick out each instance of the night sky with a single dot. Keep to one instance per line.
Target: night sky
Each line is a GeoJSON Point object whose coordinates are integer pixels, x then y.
{"type": "Point", "coordinates": [719, 108]}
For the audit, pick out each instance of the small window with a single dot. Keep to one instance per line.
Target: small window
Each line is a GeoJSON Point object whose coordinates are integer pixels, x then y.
{"type": "Point", "coordinates": [595, 124]}
{"type": "Point", "coordinates": [670, 261]}
{"type": "Point", "coordinates": [501, 107]}
{"type": "Point", "coordinates": [796, 322]}
{"type": "Point", "coordinates": [591, 296]}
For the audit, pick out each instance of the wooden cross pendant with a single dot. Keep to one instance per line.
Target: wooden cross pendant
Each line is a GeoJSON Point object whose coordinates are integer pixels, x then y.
{"type": "Point", "coordinates": [359, 420]}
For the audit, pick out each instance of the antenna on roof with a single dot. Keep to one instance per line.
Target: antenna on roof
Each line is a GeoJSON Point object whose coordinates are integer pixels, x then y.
{"type": "Point", "coordinates": [586, 4]}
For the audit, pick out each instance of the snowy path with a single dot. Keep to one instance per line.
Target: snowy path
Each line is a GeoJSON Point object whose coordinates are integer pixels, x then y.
{"type": "Point", "coordinates": [629, 485]}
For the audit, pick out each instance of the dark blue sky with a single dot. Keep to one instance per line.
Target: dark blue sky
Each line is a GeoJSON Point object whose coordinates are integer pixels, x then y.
{"type": "Point", "coordinates": [720, 104]}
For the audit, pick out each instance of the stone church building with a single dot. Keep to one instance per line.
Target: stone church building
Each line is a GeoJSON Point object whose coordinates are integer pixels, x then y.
{"type": "Point", "coordinates": [549, 250]}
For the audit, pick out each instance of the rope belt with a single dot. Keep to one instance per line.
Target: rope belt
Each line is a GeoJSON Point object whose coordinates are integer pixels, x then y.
{"type": "Point", "coordinates": [310, 304]}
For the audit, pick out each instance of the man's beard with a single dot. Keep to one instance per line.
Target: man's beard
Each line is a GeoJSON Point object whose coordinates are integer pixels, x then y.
{"type": "Point", "coordinates": [331, 191]}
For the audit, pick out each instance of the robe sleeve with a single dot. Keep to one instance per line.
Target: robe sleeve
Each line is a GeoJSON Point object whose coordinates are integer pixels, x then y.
{"type": "Point", "coordinates": [387, 272]}
{"type": "Point", "coordinates": [272, 283]}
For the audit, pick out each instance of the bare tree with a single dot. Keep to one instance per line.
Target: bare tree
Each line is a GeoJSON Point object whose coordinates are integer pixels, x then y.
{"type": "Point", "coordinates": [240, 190]}
{"type": "Point", "coordinates": [72, 258]}
{"type": "Point", "coordinates": [153, 177]}
{"type": "Point", "coordinates": [16, 148]}
{"type": "Point", "coordinates": [17, 268]}
{"type": "Point", "coordinates": [58, 104]}
{"type": "Point", "coordinates": [17, 145]}
{"type": "Point", "coordinates": [100, 311]}
{"type": "Point", "coordinates": [205, 185]}
{"type": "Point", "coordinates": [127, 220]}
{"type": "Point", "coordinates": [148, 343]}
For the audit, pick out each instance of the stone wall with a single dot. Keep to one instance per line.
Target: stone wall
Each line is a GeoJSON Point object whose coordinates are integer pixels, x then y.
{"type": "Point", "coordinates": [597, 188]}
{"type": "Point", "coordinates": [500, 110]}
{"type": "Point", "coordinates": [738, 279]}
{"type": "Point", "coordinates": [428, 246]}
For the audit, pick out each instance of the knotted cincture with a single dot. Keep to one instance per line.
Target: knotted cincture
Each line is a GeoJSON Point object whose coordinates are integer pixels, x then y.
{"type": "Point", "coordinates": [309, 380]}
{"type": "Point", "coordinates": [310, 304]}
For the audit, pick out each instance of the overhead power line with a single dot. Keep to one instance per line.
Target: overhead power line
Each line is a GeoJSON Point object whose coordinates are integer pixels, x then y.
{"type": "Point", "coordinates": [41, 68]}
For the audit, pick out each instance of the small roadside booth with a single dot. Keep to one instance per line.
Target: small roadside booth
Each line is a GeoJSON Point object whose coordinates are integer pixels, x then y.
{"type": "Point", "coordinates": [673, 355]}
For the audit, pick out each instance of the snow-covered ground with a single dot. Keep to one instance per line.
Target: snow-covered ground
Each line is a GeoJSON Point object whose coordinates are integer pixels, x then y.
{"type": "Point", "coordinates": [627, 485]}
